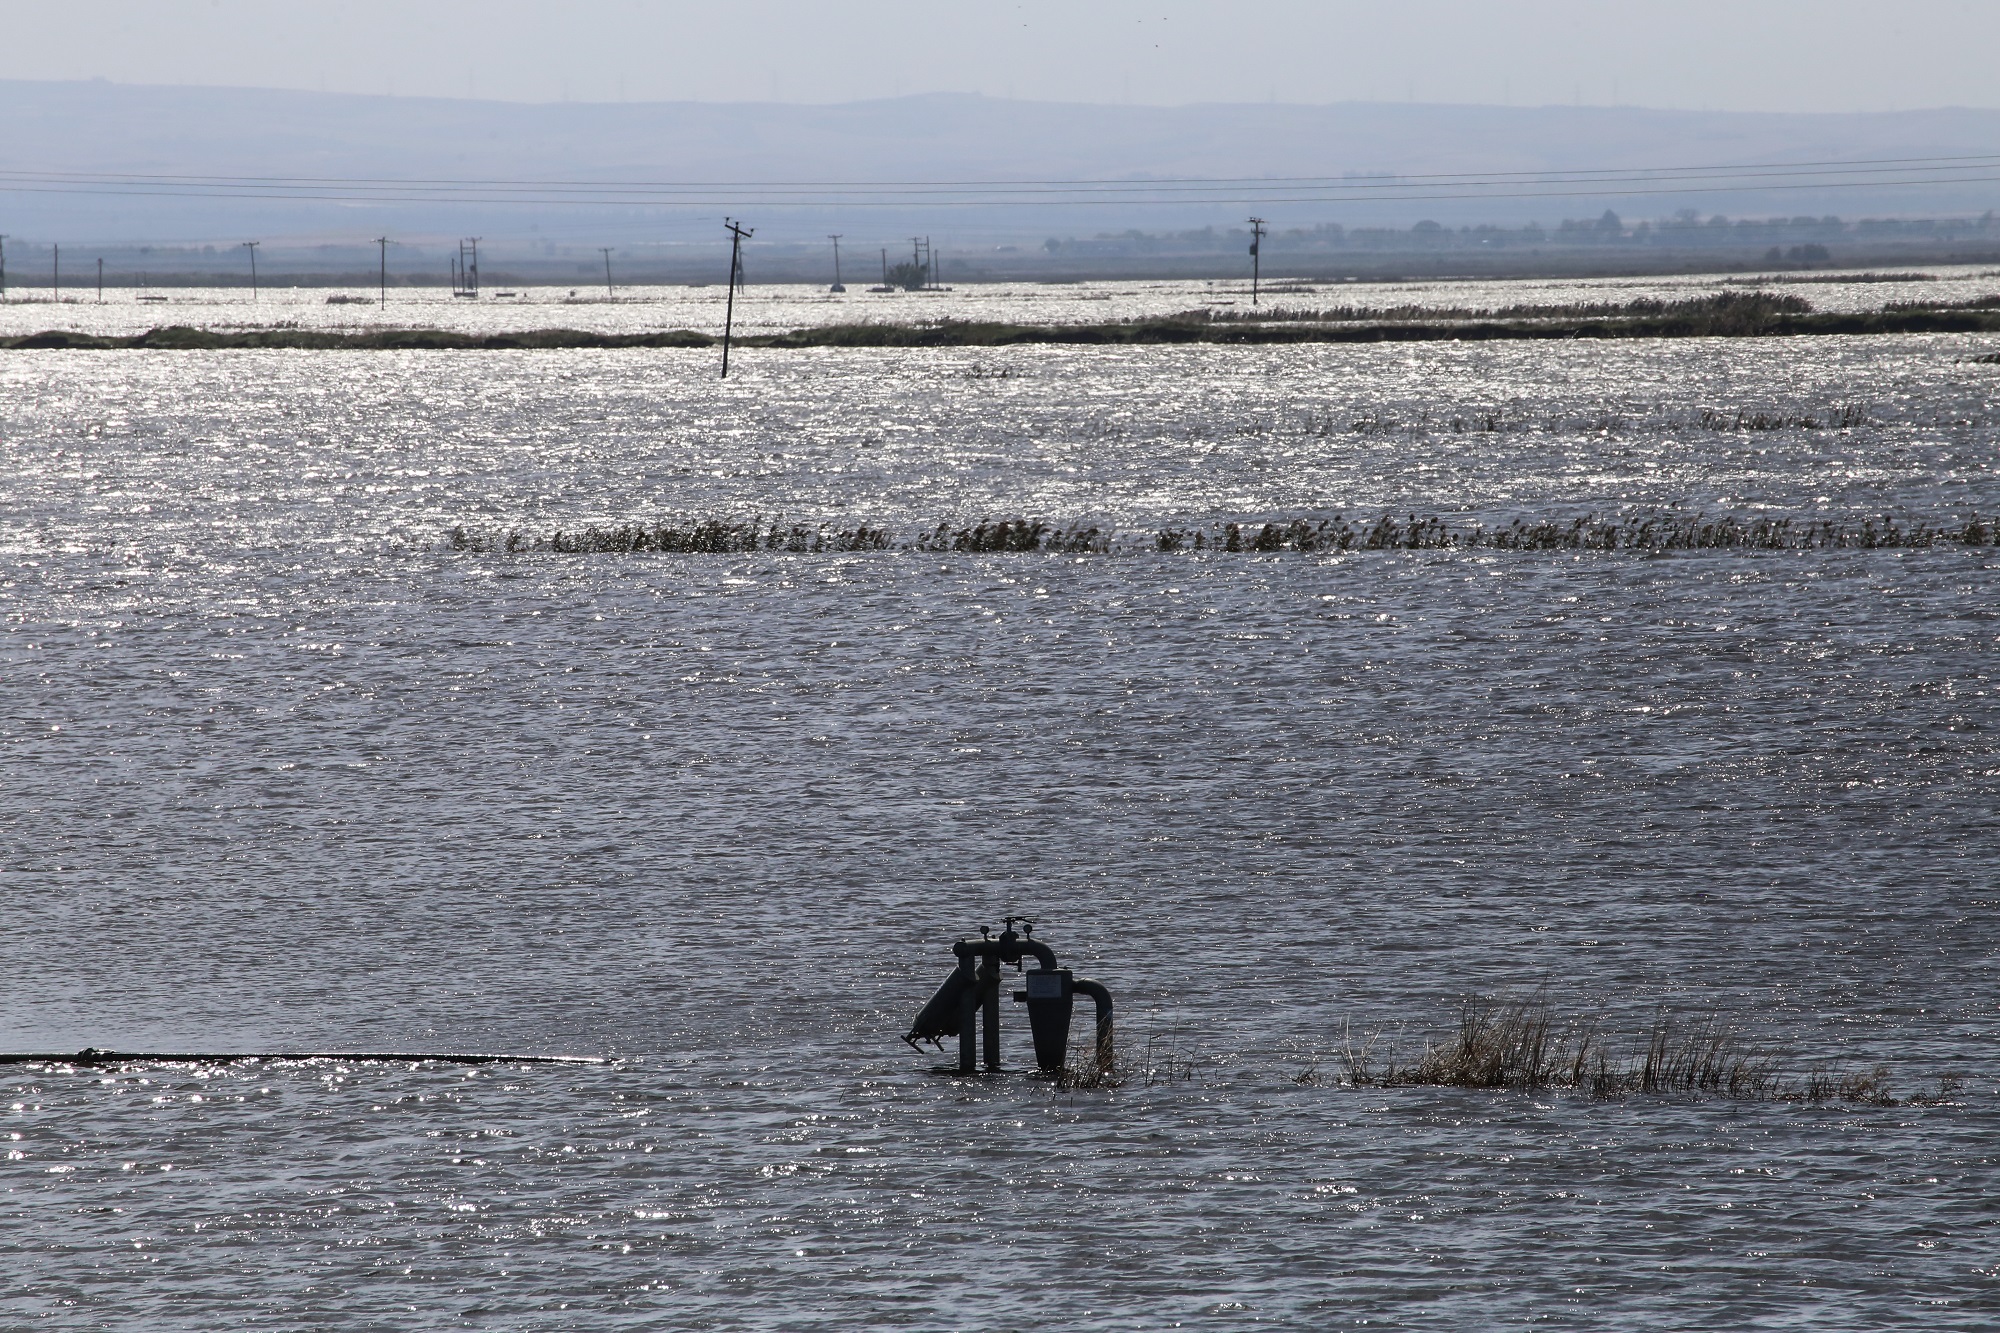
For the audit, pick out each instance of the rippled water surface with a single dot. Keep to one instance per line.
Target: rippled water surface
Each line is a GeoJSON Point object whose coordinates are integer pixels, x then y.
{"type": "Point", "coordinates": [286, 771]}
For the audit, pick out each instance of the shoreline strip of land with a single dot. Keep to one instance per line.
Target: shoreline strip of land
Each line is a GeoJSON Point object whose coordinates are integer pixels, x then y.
{"type": "Point", "coordinates": [1729, 315]}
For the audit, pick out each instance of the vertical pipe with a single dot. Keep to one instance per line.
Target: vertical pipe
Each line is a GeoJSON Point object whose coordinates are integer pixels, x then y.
{"type": "Point", "coordinates": [1106, 1053]}
{"type": "Point", "coordinates": [968, 1023]}
{"type": "Point", "coordinates": [989, 992]}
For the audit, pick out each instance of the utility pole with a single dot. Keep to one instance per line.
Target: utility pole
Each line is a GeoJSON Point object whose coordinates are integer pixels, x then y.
{"type": "Point", "coordinates": [383, 289]}
{"type": "Point", "coordinates": [251, 246]}
{"type": "Point", "coordinates": [837, 286]}
{"type": "Point", "coordinates": [1256, 257]}
{"type": "Point", "coordinates": [55, 280]}
{"type": "Point", "coordinates": [608, 294]}
{"type": "Point", "coordinates": [3, 268]}
{"type": "Point", "coordinates": [465, 269]}
{"type": "Point", "coordinates": [737, 233]}
{"type": "Point", "coordinates": [100, 280]}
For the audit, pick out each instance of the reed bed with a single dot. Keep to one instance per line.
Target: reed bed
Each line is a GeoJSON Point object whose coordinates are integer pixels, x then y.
{"type": "Point", "coordinates": [1498, 420]}
{"type": "Point", "coordinates": [1014, 535]}
{"type": "Point", "coordinates": [1973, 303]}
{"type": "Point", "coordinates": [713, 536]}
{"type": "Point", "coordinates": [1639, 533]}
{"type": "Point", "coordinates": [1658, 532]}
{"type": "Point", "coordinates": [1524, 1044]}
{"type": "Point", "coordinates": [1730, 306]}
{"type": "Point", "coordinates": [1829, 279]}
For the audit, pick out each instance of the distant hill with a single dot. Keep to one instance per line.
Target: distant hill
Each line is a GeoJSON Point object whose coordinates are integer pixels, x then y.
{"type": "Point", "coordinates": [99, 127]}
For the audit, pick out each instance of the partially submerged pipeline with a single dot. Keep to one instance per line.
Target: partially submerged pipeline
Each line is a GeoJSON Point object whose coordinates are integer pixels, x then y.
{"type": "Point", "coordinates": [92, 1056]}
{"type": "Point", "coordinates": [969, 999]}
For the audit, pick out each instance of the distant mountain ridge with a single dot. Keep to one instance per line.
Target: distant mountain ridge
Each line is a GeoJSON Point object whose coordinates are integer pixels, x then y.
{"type": "Point", "coordinates": [98, 127]}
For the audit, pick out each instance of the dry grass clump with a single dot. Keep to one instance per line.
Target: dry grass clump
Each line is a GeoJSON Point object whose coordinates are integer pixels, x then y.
{"type": "Point", "coordinates": [1523, 1044]}
{"type": "Point", "coordinates": [1164, 1061]}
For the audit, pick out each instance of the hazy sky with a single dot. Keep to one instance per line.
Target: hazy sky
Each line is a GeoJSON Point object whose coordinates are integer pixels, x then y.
{"type": "Point", "coordinates": [1768, 55]}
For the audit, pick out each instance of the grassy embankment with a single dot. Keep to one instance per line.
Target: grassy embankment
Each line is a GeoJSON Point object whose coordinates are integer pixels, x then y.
{"type": "Point", "coordinates": [1750, 314]}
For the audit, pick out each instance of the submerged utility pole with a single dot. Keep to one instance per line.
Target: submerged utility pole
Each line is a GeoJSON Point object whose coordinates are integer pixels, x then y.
{"type": "Point", "coordinates": [608, 294]}
{"type": "Point", "coordinates": [251, 246]}
{"type": "Point", "coordinates": [382, 289]}
{"type": "Point", "coordinates": [1256, 258]}
{"type": "Point", "coordinates": [737, 233]}
{"type": "Point", "coordinates": [100, 280]}
{"type": "Point", "coordinates": [837, 287]}
{"type": "Point", "coordinates": [55, 272]}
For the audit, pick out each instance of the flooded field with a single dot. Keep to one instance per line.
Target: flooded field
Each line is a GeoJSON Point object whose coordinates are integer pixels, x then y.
{"type": "Point", "coordinates": [293, 770]}
{"type": "Point", "coordinates": [761, 308]}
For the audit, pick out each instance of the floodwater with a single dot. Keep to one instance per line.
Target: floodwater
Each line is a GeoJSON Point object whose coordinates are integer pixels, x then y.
{"type": "Point", "coordinates": [124, 309]}
{"type": "Point", "coordinates": [285, 771]}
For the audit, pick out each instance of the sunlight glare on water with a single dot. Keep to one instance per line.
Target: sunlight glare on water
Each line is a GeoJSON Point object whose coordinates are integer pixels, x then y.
{"type": "Point", "coordinates": [290, 772]}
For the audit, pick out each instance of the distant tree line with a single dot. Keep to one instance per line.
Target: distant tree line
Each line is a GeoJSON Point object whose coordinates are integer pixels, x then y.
{"type": "Point", "coordinates": [1802, 240]}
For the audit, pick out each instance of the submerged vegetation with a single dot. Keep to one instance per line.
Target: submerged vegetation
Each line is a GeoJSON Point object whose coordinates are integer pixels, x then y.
{"type": "Point", "coordinates": [1525, 1044]}
{"type": "Point", "coordinates": [1657, 532]}
{"type": "Point", "coordinates": [1660, 532]}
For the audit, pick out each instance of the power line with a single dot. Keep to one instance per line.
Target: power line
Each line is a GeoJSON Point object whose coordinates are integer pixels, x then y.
{"type": "Point", "coordinates": [1886, 163]}
{"type": "Point", "coordinates": [1218, 198]}
{"type": "Point", "coordinates": [1575, 183]}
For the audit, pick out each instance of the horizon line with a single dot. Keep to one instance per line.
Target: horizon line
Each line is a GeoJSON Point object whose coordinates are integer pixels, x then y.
{"type": "Point", "coordinates": [977, 95]}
